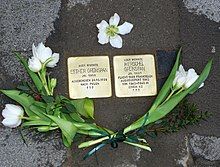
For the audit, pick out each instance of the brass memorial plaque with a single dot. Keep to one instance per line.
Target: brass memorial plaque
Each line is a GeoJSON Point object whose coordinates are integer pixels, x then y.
{"type": "Point", "coordinates": [135, 75]}
{"type": "Point", "coordinates": [89, 77]}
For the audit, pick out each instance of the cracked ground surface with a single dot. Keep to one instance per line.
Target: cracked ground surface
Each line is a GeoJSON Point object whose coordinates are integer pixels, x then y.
{"type": "Point", "coordinates": [68, 27]}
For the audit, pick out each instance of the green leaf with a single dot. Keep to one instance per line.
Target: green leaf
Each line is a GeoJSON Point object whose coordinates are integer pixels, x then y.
{"type": "Point", "coordinates": [142, 145]}
{"type": "Point", "coordinates": [84, 107]}
{"type": "Point", "coordinates": [67, 128]}
{"type": "Point", "coordinates": [46, 128]}
{"type": "Point", "coordinates": [76, 117]}
{"type": "Point", "coordinates": [168, 84]}
{"type": "Point", "coordinates": [70, 107]}
{"type": "Point", "coordinates": [89, 133]}
{"type": "Point", "coordinates": [40, 104]}
{"type": "Point", "coordinates": [23, 99]}
{"type": "Point", "coordinates": [64, 110]}
{"type": "Point", "coordinates": [22, 87]}
{"type": "Point", "coordinates": [163, 110]}
{"type": "Point", "coordinates": [36, 80]}
{"type": "Point", "coordinates": [48, 99]}
{"type": "Point", "coordinates": [38, 122]}
{"type": "Point", "coordinates": [49, 108]}
{"type": "Point", "coordinates": [40, 112]}
{"type": "Point", "coordinates": [86, 126]}
{"type": "Point", "coordinates": [66, 117]}
{"type": "Point", "coordinates": [65, 141]}
{"type": "Point", "coordinates": [94, 150]}
{"type": "Point", "coordinates": [89, 107]}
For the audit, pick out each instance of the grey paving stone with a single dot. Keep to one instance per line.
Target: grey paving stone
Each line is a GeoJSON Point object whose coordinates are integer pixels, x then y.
{"type": "Point", "coordinates": [207, 147]}
{"type": "Point", "coordinates": [39, 150]}
{"type": "Point", "coordinates": [22, 23]}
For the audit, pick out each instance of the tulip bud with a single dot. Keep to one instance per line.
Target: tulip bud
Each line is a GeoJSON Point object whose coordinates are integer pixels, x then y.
{"type": "Point", "coordinates": [53, 82]}
{"type": "Point", "coordinates": [34, 64]}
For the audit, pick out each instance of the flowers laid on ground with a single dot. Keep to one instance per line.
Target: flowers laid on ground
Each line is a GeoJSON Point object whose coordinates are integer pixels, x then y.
{"type": "Point", "coordinates": [110, 32]}
{"type": "Point", "coordinates": [45, 111]}
{"type": "Point", "coordinates": [12, 115]}
{"type": "Point", "coordinates": [184, 79]}
{"type": "Point", "coordinates": [44, 55]}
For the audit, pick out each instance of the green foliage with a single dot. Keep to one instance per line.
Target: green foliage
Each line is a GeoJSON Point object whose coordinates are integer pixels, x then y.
{"type": "Point", "coordinates": [161, 110]}
{"type": "Point", "coordinates": [36, 80]}
{"type": "Point", "coordinates": [165, 108]}
{"type": "Point", "coordinates": [186, 113]}
{"type": "Point", "coordinates": [68, 129]}
{"type": "Point", "coordinates": [84, 107]}
{"type": "Point", "coordinates": [47, 112]}
{"type": "Point", "coordinates": [167, 85]}
{"type": "Point", "coordinates": [23, 99]}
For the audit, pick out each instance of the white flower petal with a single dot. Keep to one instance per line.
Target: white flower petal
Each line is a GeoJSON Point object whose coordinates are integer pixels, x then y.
{"type": "Point", "coordinates": [15, 109]}
{"type": "Point", "coordinates": [182, 71]}
{"type": "Point", "coordinates": [180, 82]}
{"type": "Point", "coordinates": [190, 81]}
{"type": "Point", "coordinates": [114, 20]}
{"type": "Point", "coordinates": [43, 53]}
{"type": "Point", "coordinates": [11, 122]}
{"type": "Point", "coordinates": [34, 50]}
{"type": "Point", "coordinates": [103, 38]}
{"type": "Point", "coordinates": [102, 26]}
{"type": "Point", "coordinates": [201, 85]}
{"type": "Point", "coordinates": [191, 73]}
{"type": "Point", "coordinates": [125, 28]}
{"type": "Point", "coordinates": [116, 41]}
{"type": "Point", "coordinates": [8, 114]}
{"type": "Point", "coordinates": [180, 78]}
{"type": "Point", "coordinates": [55, 58]}
{"type": "Point", "coordinates": [34, 64]}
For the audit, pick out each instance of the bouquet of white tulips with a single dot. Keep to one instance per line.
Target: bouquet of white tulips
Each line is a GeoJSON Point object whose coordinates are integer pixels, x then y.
{"type": "Point", "coordinates": [45, 111]}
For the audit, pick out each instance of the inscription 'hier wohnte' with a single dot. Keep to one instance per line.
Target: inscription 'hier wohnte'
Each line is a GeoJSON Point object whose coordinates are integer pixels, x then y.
{"type": "Point", "coordinates": [89, 79]}
{"type": "Point", "coordinates": [134, 75]}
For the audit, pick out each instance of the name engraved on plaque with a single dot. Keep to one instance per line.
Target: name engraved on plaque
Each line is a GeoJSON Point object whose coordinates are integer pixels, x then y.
{"type": "Point", "coordinates": [135, 76]}
{"type": "Point", "coordinates": [89, 77]}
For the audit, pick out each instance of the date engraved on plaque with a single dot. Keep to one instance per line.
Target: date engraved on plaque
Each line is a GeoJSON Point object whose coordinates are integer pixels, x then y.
{"type": "Point", "coordinates": [135, 75]}
{"type": "Point", "coordinates": [89, 77]}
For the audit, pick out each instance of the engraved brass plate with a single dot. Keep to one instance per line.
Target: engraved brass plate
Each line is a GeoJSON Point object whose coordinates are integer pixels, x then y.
{"type": "Point", "coordinates": [89, 77]}
{"type": "Point", "coordinates": [135, 75]}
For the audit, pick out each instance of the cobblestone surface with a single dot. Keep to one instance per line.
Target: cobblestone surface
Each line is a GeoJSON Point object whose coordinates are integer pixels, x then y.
{"type": "Point", "coordinates": [69, 28]}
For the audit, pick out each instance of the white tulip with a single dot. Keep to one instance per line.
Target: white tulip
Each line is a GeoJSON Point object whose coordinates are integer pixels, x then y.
{"type": "Point", "coordinates": [191, 77]}
{"type": "Point", "coordinates": [180, 78]}
{"type": "Point", "coordinates": [12, 115]}
{"type": "Point", "coordinates": [44, 54]}
{"type": "Point", "coordinates": [110, 32]}
{"type": "Point", "coordinates": [54, 60]}
{"type": "Point", "coordinates": [184, 79]}
{"type": "Point", "coordinates": [34, 64]}
{"type": "Point", "coordinates": [41, 52]}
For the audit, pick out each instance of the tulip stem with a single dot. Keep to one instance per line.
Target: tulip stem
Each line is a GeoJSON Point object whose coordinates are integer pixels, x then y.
{"type": "Point", "coordinates": [179, 91]}
{"type": "Point", "coordinates": [26, 118]}
{"type": "Point", "coordinates": [168, 97]}
{"type": "Point", "coordinates": [44, 82]}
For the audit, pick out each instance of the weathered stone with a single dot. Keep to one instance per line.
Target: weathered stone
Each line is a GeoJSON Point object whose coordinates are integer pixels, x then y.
{"type": "Point", "coordinates": [207, 147]}
{"type": "Point", "coordinates": [39, 149]}
{"type": "Point", "coordinates": [23, 22]}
